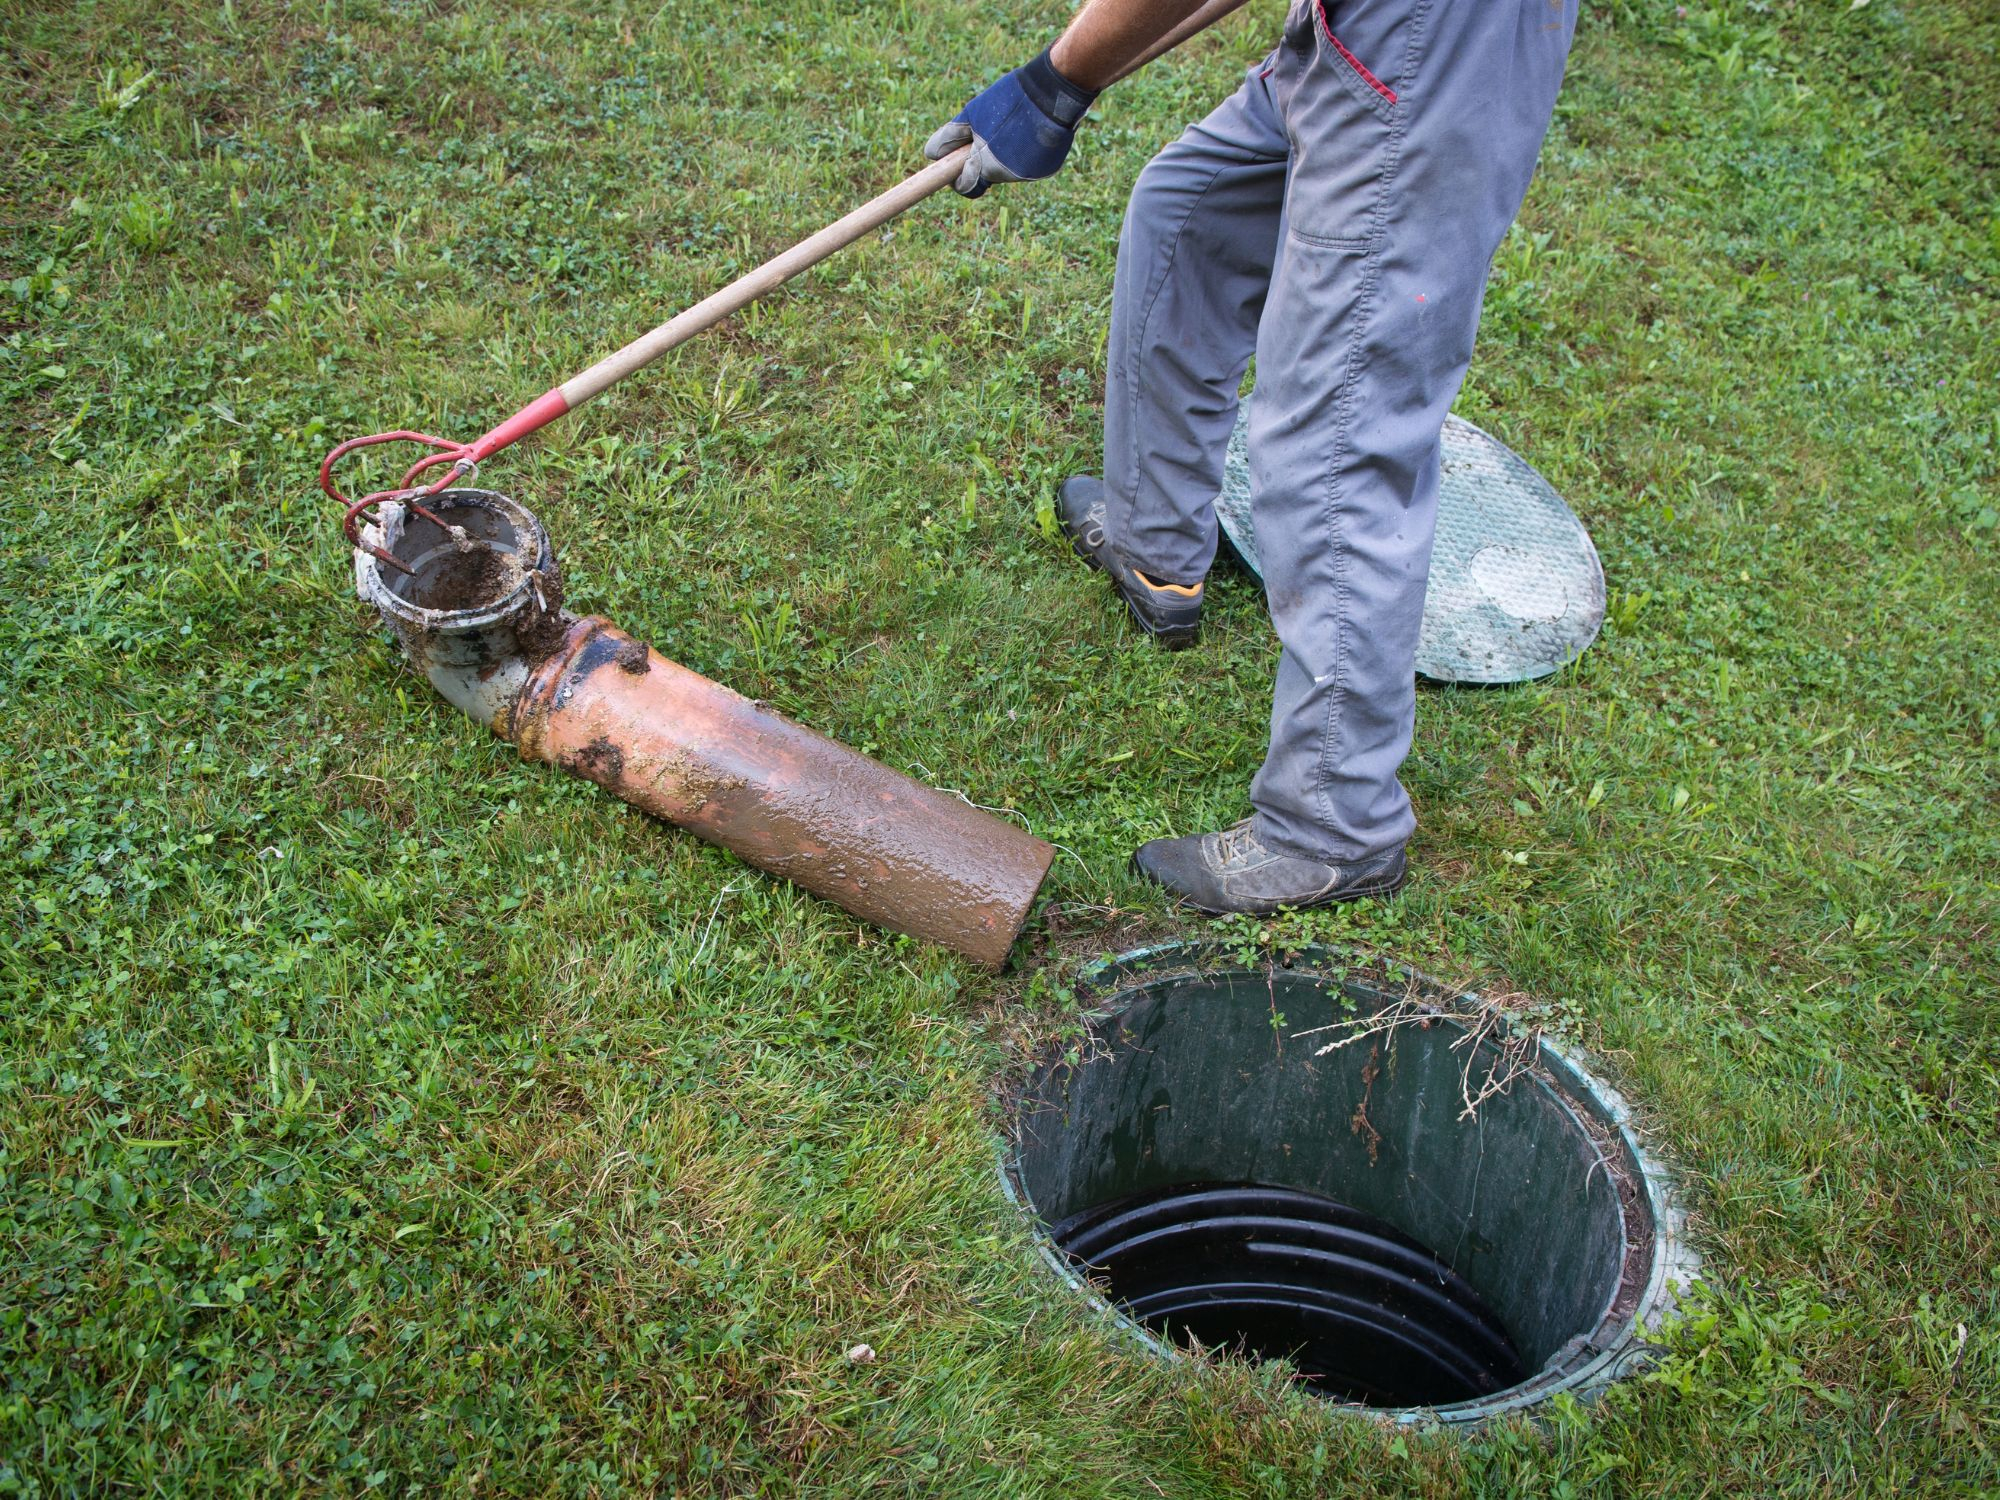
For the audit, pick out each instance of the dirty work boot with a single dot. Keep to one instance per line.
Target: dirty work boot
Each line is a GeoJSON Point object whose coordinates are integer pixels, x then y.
{"type": "Point", "coordinates": [1169, 612]}
{"type": "Point", "coordinates": [1234, 871]}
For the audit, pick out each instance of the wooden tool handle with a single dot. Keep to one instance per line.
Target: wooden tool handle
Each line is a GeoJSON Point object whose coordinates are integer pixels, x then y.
{"type": "Point", "coordinates": [844, 231]}
{"type": "Point", "coordinates": [1203, 18]}
{"type": "Point", "coordinates": [748, 287]}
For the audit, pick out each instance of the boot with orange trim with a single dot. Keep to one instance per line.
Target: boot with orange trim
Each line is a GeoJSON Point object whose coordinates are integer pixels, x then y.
{"type": "Point", "coordinates": [1169, 612]}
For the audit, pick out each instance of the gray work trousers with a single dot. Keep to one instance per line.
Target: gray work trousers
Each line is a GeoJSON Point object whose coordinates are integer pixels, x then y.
{"type": "Point", "coordinates": [1337, 217]}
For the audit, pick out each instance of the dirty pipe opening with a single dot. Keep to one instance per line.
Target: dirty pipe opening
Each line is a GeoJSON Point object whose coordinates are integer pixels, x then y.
{"type": "Point", "coordinates": [480, 614]}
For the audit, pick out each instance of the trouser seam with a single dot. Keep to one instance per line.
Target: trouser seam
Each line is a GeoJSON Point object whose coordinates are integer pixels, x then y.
{"type": "Point", "coordinates": [1332, 241]}
{"type": "Point", "coordinates": [1413, 55]}
{"type": "Point", "coordinates": [1364, 310]}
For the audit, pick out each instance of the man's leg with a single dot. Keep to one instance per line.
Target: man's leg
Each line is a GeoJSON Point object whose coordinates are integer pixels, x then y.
{"type": "Point", "coordinates": [1418, 126]}
{"type": "Point", "coordinates": [1415, 128]}
{"type": "Point", "coordinates": [1194, 260]}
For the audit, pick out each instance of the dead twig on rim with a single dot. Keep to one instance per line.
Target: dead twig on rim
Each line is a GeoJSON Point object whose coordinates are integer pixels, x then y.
{"type": "Point", "coordinates": [1508, 1054]}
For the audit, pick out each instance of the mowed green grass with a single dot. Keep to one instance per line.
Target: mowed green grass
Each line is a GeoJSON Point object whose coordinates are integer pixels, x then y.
{"type": "Point", "coordinates": [376, 1110]}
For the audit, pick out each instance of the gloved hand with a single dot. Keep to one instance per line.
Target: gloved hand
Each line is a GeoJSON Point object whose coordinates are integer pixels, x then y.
{"type": "Point", "coordinates": [1020, 128]}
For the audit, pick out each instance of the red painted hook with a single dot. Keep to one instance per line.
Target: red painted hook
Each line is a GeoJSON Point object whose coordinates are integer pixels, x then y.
{"type": "Point", "coordinates": [458, 455]}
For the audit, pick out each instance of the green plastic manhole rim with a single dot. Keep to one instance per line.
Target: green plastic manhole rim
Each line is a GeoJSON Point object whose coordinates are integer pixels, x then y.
{"type": "Point", "coordinates": [1279, 1158]}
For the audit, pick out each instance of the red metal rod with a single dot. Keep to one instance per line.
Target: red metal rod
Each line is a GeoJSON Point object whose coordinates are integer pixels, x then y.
{"type": "Point", "coordinates": [350, 521]}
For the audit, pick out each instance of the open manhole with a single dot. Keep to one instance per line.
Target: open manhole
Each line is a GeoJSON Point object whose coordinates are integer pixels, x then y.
{"type": "Point", "coordinates": [1202, 1162]}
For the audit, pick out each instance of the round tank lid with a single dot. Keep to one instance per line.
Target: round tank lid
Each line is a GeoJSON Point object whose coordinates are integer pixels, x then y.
{"type": "Point", "coordinates": [1516, 589]}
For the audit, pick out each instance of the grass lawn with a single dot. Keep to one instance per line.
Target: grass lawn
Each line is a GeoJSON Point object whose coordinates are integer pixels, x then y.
{"type": "Point", "coordinates": [378, 1110]}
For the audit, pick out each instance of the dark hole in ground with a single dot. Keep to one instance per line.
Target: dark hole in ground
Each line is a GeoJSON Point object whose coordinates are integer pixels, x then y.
{"type": "Point", "coordinates": [1387, 1185]}
{"type": "Point", "coordinates": [1363, 1311]}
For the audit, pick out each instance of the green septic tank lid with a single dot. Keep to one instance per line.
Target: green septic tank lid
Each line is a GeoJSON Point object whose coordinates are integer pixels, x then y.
{"type": "Point", "coordinates": [1516, 589]}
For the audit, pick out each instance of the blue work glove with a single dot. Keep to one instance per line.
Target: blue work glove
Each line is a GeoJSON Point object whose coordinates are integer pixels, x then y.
{"type": "Point", "coordinates": [1020, 128]}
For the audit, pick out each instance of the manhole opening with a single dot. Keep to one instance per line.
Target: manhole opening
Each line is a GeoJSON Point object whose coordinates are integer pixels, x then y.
{"type": "Point", "coordinates": [1364, 1312]}
{"type": "Point", "coordinates": [1204, 1164]}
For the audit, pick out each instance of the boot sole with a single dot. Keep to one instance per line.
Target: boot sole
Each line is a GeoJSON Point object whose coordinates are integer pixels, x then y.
{"type": "Point", "coordinates": [1338, 898]}
{"type": "Point", "coordinates": [1167, 637]}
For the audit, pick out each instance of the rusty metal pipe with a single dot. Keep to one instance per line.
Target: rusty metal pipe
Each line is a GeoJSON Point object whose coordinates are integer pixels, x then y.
{"type": "Point", "coordinates": [480, 615]}
{"type": "Point", "coordinates": [894, 852]}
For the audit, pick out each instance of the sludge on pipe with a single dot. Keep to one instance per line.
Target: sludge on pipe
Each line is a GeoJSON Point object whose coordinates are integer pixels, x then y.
{"type": "Point", "coordinates": [480, 614]}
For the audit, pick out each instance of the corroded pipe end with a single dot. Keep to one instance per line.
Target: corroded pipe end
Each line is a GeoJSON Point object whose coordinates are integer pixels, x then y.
{"type": "Point", "coordinates": [481, 602]}
{"type": "Point", "coordinates": [890, 850]}
{"type": "Point", "coordinates": [480, 614]}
